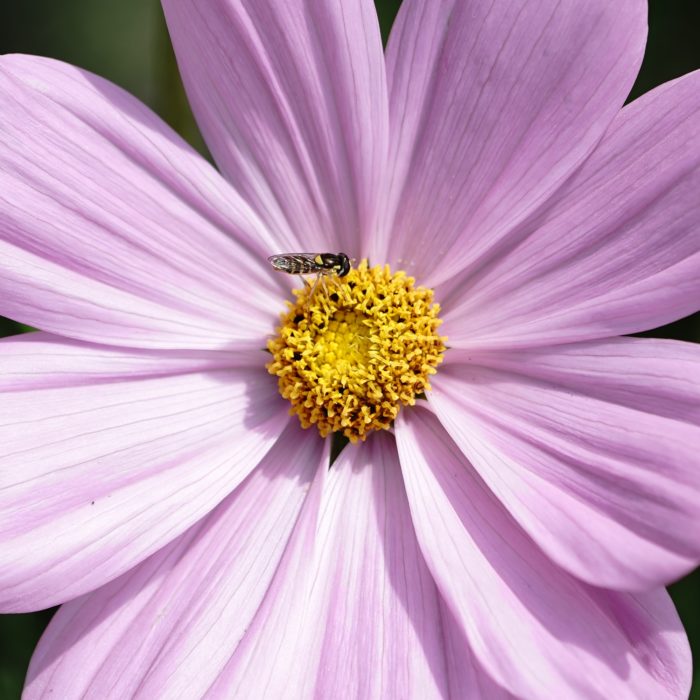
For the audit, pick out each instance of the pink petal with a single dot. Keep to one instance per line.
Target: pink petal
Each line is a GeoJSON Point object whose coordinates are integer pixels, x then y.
{"type": "Point", "coordinates": [166, 628]}
{"type": "Point", "coordinates": [467, 677]}
{"type": "Point", "coordinates": [266, 599]}
{"type": "Point", "coordinates": [42, 361]}
{"type": "Point", "coordinates": [95, 477]}
{"type": "Point", "coordinates": [291, 98]}
{"type": "Point", "coordinates": [539, 631]}
{"type": "Point", "coordinates": [112, 229]}
{"type": "Point", "coordinates": [617, 252]}
{"type": "Point", "coordinates": [658, 377]}
{"type": "Point", "coordinates": [493, 105]}
{"type": "Point", "coordinates": [593, 448]}
{"type": "Point", "coordinates": [353, 611]}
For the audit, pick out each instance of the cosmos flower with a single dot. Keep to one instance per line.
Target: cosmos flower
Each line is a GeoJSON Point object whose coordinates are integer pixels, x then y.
{"type": "Point", "coordinates": [510, 534]}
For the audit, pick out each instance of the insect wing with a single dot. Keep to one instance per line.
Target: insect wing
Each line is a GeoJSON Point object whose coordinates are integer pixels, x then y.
{"type": "Point", "coordinates": [295, 263]}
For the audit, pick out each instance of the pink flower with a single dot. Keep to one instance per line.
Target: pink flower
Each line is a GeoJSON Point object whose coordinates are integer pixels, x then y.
{"type": "Point", "coordinates": [509, 537]}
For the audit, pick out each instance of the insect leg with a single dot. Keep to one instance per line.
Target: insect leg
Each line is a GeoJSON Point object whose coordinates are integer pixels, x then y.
{"type": "Point", "coordinates": [313, 289]}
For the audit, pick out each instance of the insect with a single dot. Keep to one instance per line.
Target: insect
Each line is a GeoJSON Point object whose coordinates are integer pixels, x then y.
{"type": "Point", "coordinates": [310, 263]}
{"type": "Point", "coordinates": [321, 264]}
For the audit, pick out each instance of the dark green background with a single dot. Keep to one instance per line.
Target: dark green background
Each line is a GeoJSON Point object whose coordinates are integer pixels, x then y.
{"type": "Point", "coordinates": [126, 41]}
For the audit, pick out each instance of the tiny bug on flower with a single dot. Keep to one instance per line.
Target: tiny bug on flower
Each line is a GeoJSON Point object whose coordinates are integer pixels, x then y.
{"type": "Point", "coordinates": [309, 263]}
{"type": "Point", "coordinates": [322, 264]}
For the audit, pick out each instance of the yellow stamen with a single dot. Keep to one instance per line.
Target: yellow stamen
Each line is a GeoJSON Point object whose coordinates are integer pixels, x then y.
{"type": "Point", "coordinates": [361, 347]}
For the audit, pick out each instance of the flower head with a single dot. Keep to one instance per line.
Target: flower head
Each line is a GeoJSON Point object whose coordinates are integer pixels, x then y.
{"type": "Point", "coordinates": [508, 528]}
{"type": "Point", "coordinates": [348, 358]}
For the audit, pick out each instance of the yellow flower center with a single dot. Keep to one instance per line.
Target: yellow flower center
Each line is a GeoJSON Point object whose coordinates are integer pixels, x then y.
{"type": "Point", "coordinates": [351, 353]}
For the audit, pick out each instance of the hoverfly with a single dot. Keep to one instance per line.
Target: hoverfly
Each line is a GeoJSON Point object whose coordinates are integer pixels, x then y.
{"type": "Point", "coordinates": [310, 263]}
{"type": "Point", "coordinates": [320, 264]}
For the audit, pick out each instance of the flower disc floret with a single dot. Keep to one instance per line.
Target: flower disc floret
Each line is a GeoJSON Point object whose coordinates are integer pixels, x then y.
{"type": "Point", "coordinates": [351, 352]}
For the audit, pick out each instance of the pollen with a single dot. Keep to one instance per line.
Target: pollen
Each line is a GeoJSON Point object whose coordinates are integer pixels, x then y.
{"type": "Point", "coordinates": [352, 351]}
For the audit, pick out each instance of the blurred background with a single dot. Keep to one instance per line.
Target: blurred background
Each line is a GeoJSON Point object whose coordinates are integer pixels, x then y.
{"type": "Point", "coordinates": [127, 42]}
